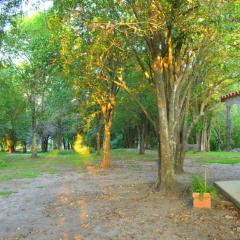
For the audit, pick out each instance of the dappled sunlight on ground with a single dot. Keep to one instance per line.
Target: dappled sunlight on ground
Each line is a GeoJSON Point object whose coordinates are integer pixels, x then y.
{"type": "Point", "coordinates": [63, 203]}
{"type": "Point", "coordinates": [111, 204]}
{"type": "Point", "coordinates": [83, 213]}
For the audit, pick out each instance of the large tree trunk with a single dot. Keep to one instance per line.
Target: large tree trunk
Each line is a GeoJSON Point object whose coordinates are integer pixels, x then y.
{"type": "Point", "coordinates": [172, 97]}
{"type": "Point", "coordinates": [166, 176]}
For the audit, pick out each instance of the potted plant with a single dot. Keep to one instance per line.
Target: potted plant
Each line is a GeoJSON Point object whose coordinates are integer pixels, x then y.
{"type": "Point", "coordinates": [202, 193]}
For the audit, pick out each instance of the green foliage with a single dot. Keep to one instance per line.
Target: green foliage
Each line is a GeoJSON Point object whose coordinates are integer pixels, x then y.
{"type": "Point", "coordinates": [117, 142]}
{"type": "Point", "coordinates": [3, 164]}
{"type": "Point", "coordinates": [199, 185]}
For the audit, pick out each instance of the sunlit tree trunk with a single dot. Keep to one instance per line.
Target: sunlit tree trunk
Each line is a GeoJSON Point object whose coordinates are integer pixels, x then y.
{"type": "Point", "coordinates": [10, 146]}
{"type": "Point", "coordinates": [107, 111]}
{"type": "Point", "coordinates": [172, 95]}
{"type": "Point", "coordinates": [107, 114]}
{"type": "Point", "coordinates": [106, 145]}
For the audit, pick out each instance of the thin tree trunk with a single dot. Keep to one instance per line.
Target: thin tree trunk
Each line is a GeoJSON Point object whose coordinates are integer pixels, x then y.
{"type": "Point", "coordinates": [64, 143]}
{"type": "Point", "coordinates": [106, 143]}
{"type": "Point", "coordinates": [68, 144]}
{"type": "Point", "coordinates": [98, 142]}
{"type": "Point", "coordinates": [129, 134]}
{"type": "Point", "coordinates": [59, 135]}
{"type": "Point", "coordinates": [205, 135]}
{"type": "Point", "coordinates": [34, 130]}
{"type": "Point", "coordinates": [147, 135]}
{"type": "Point", "coordinates": [142, 136]}
{"type": "Point", "coordinates": [44, 144]}
{"type": "Point", "coordinates": [24, 146]}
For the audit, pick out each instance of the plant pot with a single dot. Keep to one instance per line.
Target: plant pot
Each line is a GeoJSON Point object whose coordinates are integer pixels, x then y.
{"type": "Point", "coordinates": [201, 201]}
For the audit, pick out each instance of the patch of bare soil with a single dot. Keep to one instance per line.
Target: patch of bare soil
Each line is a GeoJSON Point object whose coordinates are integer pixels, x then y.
{"type": "Point", "coordinates": [114, 204]}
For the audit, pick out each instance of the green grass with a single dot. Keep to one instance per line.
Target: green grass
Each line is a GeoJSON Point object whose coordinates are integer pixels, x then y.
{"type": "Point", "coordinates": [6, 193]}
{"type": "Point", "coordinates": [23, 166]}
{"type": "Point", "coordinates": [132, 154]}
{"type": "Point", "coordinates": [214, 154]}
{"type": "Point", "coordinates": [18, 166]}
{"type": "Point", "coordinates": [216, 157]}
{"type": "Point", "coordinates": [221, 161]}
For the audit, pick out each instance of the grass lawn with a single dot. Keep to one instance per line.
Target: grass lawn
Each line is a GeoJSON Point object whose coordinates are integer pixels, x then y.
{"type": "Point", "coordinates": [222, 161]}
{"type": "Point", "coordinates": [6, 193]}
{"type": "Point", "coordinates": [19, 165]}
{"type": "Point", "coordinates": [216, 157]}
{"type": "Point", "coordinates": [132, 154]}
{"type": "Point", "coordinates": [16, 166]}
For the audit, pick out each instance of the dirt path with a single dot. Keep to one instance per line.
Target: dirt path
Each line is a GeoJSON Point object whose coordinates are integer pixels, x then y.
{"type": "Point", "coordinates": [116, 204]}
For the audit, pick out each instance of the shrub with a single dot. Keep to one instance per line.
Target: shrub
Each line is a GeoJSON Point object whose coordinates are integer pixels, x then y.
{"type": "Point", "coordinates": [201, 186]}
